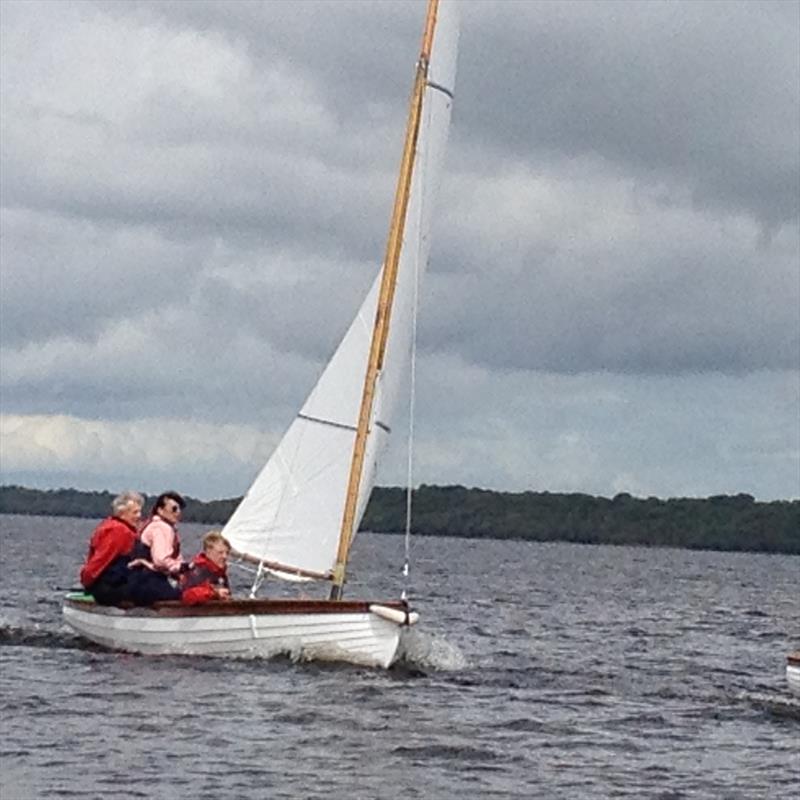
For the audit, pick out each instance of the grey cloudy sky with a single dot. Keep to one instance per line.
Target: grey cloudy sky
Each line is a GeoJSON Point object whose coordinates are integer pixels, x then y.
{"type": "Point", "coordinates": [195, 196]}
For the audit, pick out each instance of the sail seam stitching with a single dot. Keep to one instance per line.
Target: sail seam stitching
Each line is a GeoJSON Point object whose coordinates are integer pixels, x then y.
{"type": "Point", "coordinates": [332, 424]}
{"type": "Point", "coordinates": [329, 422]}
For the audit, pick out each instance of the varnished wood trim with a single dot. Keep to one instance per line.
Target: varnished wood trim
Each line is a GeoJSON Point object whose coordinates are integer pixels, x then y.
{"type": "Point", "coordinates": [238, 608]}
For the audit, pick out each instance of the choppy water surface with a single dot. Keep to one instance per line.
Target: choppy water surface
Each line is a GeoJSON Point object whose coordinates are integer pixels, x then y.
{"type": "Point", "coordinates": [538, 670]}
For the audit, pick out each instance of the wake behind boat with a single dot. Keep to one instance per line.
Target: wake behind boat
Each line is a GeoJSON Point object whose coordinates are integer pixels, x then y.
{"type": "Point", "coordinates": [299, 518]}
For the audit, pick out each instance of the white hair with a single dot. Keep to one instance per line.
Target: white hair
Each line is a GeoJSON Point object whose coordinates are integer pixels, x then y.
{"type": "Point", "coordinates": [125, 499]}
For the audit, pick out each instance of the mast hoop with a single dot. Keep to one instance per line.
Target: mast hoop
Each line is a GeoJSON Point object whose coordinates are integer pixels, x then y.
{"type": "Point", "coordinates": [439, 88]}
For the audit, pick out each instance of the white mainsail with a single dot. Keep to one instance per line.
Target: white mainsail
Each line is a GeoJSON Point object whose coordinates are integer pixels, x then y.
{"type": "Point", "coordinates": [292, 513]}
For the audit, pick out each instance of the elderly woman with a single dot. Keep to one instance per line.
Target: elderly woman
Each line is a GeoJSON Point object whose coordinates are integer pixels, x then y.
{"type": "Point", "coordinates": [105, 572]}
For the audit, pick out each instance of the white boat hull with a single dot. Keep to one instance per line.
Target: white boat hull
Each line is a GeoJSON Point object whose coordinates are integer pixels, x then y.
{"type": "Point", "coordinates": [304, 630]}
{"type": "Point", "coordinates": [793, 673]}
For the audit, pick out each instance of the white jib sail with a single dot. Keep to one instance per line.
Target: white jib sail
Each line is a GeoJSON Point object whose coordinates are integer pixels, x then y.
{"type": "Point", "coordinates": [292, 513]}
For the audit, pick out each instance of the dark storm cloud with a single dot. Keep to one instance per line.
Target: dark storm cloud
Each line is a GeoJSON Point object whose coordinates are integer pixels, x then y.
{"type": "Point", "coordinates": [697, 101]}
{"type": "Point", "coordinates": [266, 152]}
{"type": "Point", "coordinates": [297, 137]}
{"type": "Point", "coordinates": [705, 93]}
{"type": "Point", "coordinates": [656, 292]}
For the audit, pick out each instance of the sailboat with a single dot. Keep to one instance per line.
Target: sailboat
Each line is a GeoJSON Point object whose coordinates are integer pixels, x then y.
{"type": "Point", "coordinates": [793, 672]}
{"type": "Point", "coordinates": [299, 518]}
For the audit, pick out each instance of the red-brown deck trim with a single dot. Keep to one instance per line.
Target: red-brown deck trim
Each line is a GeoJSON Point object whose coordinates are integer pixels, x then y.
{"type": "Point", "coordinates": [794, 658]}
{"type": "Point", "coordinates": [239, 608]}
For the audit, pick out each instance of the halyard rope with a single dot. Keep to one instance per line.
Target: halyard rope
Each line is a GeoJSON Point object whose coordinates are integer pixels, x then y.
{"type": "Point", "coordinates": [413, 370]}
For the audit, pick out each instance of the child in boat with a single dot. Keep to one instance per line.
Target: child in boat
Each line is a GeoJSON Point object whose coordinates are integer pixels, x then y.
{"type": "Point", "coordinates": [207, 578]}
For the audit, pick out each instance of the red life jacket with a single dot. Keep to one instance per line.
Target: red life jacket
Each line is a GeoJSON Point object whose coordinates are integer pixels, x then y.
{"type": "Point", "coordinates": [205, 571]}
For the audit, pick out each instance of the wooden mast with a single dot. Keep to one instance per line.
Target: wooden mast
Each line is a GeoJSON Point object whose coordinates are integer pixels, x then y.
{"type": "Point", "coordinates": [383, 314]}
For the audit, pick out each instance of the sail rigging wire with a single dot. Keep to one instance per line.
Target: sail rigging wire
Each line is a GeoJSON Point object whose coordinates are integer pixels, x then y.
{"type": "Point", "coordinates": [258, 580]}
{"type": "Point", "coordinates": [412, 391]}
{"type": "Point", "coordinates": [411, 410]}
{"type": "Point", "coordinates": [422, 165]}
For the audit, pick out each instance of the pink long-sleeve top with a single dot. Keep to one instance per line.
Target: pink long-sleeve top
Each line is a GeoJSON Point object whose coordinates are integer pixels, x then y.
{"type": "Point", "coordinates": [164, 544]}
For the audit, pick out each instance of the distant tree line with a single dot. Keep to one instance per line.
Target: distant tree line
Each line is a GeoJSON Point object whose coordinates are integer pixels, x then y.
{"type": "Point", "coordinates": [96, 505]}
{"type": "Point", "coordinates": [722, 522]}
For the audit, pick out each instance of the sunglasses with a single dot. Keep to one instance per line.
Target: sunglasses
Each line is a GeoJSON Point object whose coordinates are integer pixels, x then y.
{"type": "Point", "coordinates": [174, 508]}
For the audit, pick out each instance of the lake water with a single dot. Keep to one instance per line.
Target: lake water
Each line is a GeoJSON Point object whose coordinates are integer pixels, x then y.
{"type": "Point", "coordinates": [537, 670]}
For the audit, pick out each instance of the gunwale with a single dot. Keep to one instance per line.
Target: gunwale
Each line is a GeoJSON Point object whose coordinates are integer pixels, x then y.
{"type": "Point", "coordinates": [235, 608]}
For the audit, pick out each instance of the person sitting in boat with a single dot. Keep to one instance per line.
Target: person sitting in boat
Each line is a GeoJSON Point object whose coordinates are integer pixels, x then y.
{"type": "Point", "coordinates": [105, 573]}
{"type": "Point", "coordinates": [157, 564]}
{"type": "Point", "coordinates": [207, 578]}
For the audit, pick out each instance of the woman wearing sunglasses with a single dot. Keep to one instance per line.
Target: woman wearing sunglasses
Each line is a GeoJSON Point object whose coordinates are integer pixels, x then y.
{"type": "Point", "coordinates": [157, 562]}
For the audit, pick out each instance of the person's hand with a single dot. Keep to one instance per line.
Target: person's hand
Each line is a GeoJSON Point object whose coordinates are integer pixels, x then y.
{"type": "Point", "coordinates": [222, 593]}
{"type": "Point", "coordinates": [141, 562]}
